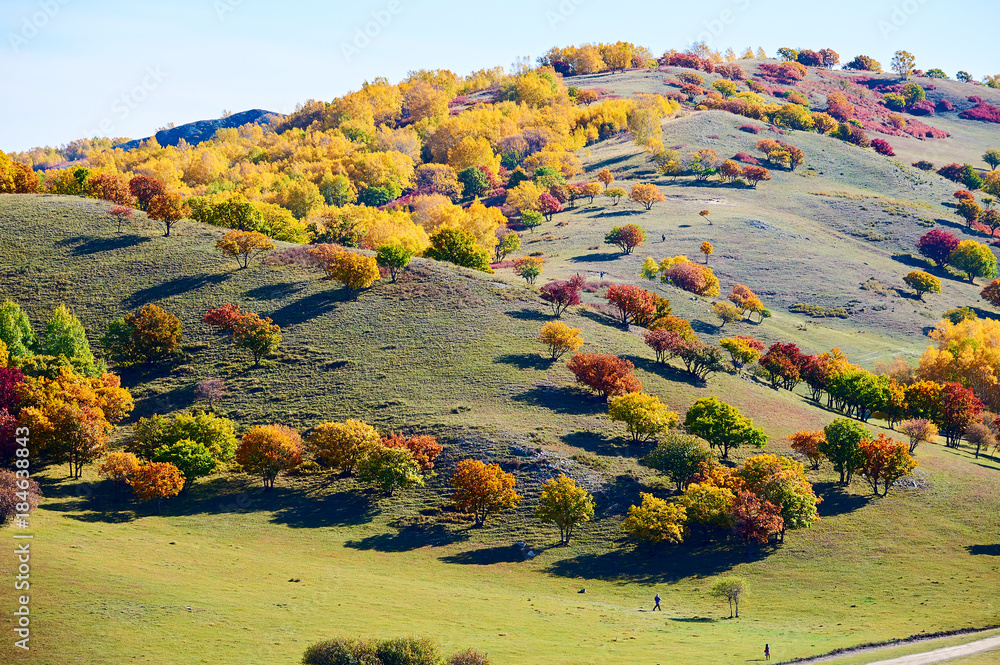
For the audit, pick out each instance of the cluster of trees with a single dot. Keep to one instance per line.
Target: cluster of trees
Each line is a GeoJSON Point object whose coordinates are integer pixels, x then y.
{"type": "Point", "coordinates": [397, 651]}
{"type": "Point", "coordinates": [704, 163]}
{"type": "Point", "coordinates": [683, 273]}
{"type": "Point", "coordinates": [826, 57]}
{"type": "Point", "coordinates": [945, 249]}
{"type": "Point", "coordinates": [248, 331]}
{"type": "Point", "coordinates": [597, 58]}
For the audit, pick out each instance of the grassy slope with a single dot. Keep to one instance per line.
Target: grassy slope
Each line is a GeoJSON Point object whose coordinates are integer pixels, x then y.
{"type": "Point", "coordinates": [457, 357]}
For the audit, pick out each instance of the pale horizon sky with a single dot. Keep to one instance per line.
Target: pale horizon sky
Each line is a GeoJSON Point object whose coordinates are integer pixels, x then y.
{"type": "Point", "coordinates": [76, 68]}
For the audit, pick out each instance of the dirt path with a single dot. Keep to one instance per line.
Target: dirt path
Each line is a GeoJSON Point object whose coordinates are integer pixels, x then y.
{"type": "Point", "coordinates": [925, 658]}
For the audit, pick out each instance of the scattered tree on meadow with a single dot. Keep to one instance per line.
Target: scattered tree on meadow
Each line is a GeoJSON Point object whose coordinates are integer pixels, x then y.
{"type": "Point", "coordinates": [743, 349]}
{"type": "Point", "coordinates": [216, 434]}
{"type": "Point", "coordinates": [756, 174]}
{"type": "Point", "coordinates": [528, 268]}
{"type": "Point", "coordinates": [244, 246]}
{"type": "Point", "coordinates": [267, 450]}
{"type": "Point", "coordinates": [343, 445]}
{"type": "Point", "coordinates": [565, 504]}
{"type": "Point", "coordinates": [679, 457]}
{"type": "Point", "coordinates": [509, 242]}
{"type": "Point", "coordinates": [733, 589]}
{"type": "Point", "coordinates": [560, 338]}
{"type": "Point", "coordinates": [390, 469]}
{"type": "Point", "coordinates": [918, 430]}
{"type": "Point", "coordinates": [656, 521]}
{"type": "Point", "coordinates": [483, 489]}
{"type": "Point", "coordinates": [922, 283]}
{"type": "Point", "coordinates": [354, 270]}
{"type": "Point", "coordinates": [121, 214]}
{"type": "Point", "coordinates": [143, 336]}
{"type": "Point", "coordinates": [167, 209]}
{"type": "Point", "coordinates": [423, 447]}
{"type": "Point", "coordinates": [393, 258]}
{"type": "Point", "coordinates": [259, 336]}
{"type": "Point", "coordinates": [707, 250]}
{"type": "Point", "coordinates": [727, 313]}
{"type": "Point", "coordinates": [458, 247]}
{"type": "Point", "coordinates": [607, 177]}
{"type": "Point", "coordinates": [841, 445]}
{"type": "Point", "coordinates": [884, 460]}
{"type": "Point", "coordinates": [808, 444]}
{"type": "Point", "coordinates": [645, 416]}
{"type": "Point", "coordinates": [590, 189]}
{"type": "Point", "coordinates": [646, 194]}
{"type": "Point", "coordinates": [210, 390]}
{"type": "Point", "coordinates": [605, 374]}
{"type": "Point", "coordinates": [562, 294]}
{"type": "Point", "coordinates": [156, 481]}
{"type": "Point", "coordinates": [633, 303]}
{"type": "Point", "coordinates": [902, 63]}
{"type": "Point", "coordinates": [975, 259]}
{"type": "Point", "coordinates": [782, 482]}
{"type": "Point", "coordinates": [145, 189]}
{"type": "Point", "coordinates": [722, 426]}
{"type": "Point", "coordinates": [937, 245]}
{"type": "Point", "coordinates": [992, 157]}
{"type": "Point", "coordinates": [981, 436]}
{"type": "Point", "coordinates": [626, 237]}
{"type": "Point", "coordinates": [615, 194]}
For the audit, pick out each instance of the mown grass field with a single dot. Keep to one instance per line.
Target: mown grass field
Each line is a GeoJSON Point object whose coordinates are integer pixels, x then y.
{"type": "Point", "coordinates": [453, 353]}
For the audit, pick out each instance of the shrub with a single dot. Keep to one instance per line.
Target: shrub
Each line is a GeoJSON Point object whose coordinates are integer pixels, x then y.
{"type": "Point", "coordinates": [750, 129]}
{"type": "Point", "coordinates": [883, 148]}
{"type": "Point", "coordinates": [351, 651]}
{"type": "Point", "coordinates": [423, 447]}
{"type": "Point", "coordinates": [924, 165]}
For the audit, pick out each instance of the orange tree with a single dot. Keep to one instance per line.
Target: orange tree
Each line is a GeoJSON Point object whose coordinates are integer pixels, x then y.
{"type": "Point", "coordinates": [167, 209]}
{"type": "Point", "coordinates": [631, 302]}
{"type": "Point", "coordinates": [884, 460]}
{"type": "Point", "coordinates": [143, 336]}
{"type": "Point", "coordinates": [355, 271]}
{"type": "Point", "coordinates": [755, 519]}
{"type": "Point", "coordinates": [260, 337]}
{"type": "Point", "coordinates": [605, 374]}
{"type": "Point", "coordinates": [807, 444]}
{"type": "Point", "coordinates": [626, 237]}
{"type": "Point", "coordinates": [483, 489]}
{"type": "Point", "coordinates": [423, 447]}
{"type": "Point", "coordinates": [156, 480]}
{"type": "Point", "coordinates": [244, 245]}
{"type": "Point", "coordinates": [119, 467]}
{"type": "Point", "coordinates": [267, 450]}
{"type": "Point", "coordinates": [646, 195]}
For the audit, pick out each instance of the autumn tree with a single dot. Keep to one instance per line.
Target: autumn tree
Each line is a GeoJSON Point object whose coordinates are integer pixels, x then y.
{"type": "Point", "coordinates": [215, 433]}
{"type": "Point", "coordinates": [142, 336]}
{"type": "Point", "coordinates": [244, 246]}
{"type": "Point", "coordinates": [727, 313]}
{"type": "Point", "coordinates": [267, 450]}
{"type": "Point", "coordinates": [722, 426]}
{"type": "Point", "coordinates": [991, 293]}
{"type": "Point", "coordinates": [355, 271]}
{"type": "Point", "coordinates": [121, 214]}
{"type": "Point", "coordinates": [605, 374]}
{"type": "Point", "coordinates": [565, 504]}
{"type": "Point", "coordinates": [707, 250]}
{"type": "Point", "coordinates": [646, 194]}
{"type": "Point", "coordinates": [626, 237]}
{"type": "Point", "coordinates": [841, 446]}
{"type": "Point", "coordinates": [782, 482]}
{"type": "Point", "coordinates": [918, 430]}
{"type": "Point", "coordinates": [145, 189]}
{"type": "Point", "coordinates": [959, 408]}
{"type": "Point", "coordinates": [18, 495]}
{"type": "Point", "coordinates": [756, 174]}
{"type": "Point", "coordinates": [390, 469]}
{"type": "Point", "coordinates": [167, 209]}
{"type": "Point", "coordinates": [884, 460]}
{"type": "Point", "coordinates": [807, 444]}
{"type": "Point", "coordinates": [902, 63]}
{"type": "Point", "coordinates": [922, 283]}
{"type": "Point", "coordinates": [423, 447]}
{"type": "Point", "coordinates": [156, 481]}
{"type": "Point", "coordinates": [975, 259]}
{"type": "Point", "coordinates": [937, 245]}
{"type": "Point", "coordinates": [509, 242]}
{"type": "Point", "coordinates": [259, 336]}
{"type": "Point", "coordinates": [633, 303]}
{"type": "Point", "coordinates": [607, 177]}
{"type": "Point", "coordinates": [655, 521]}
{"type": "Point", "coordinates": [615, 194]}
{"type": "Point", "coordinates": [561, 294]}
{"type": "Point", "coordinates": [755, 519]}
{"type": "Point", "coordinates": [981, 436]}
{"type": "Point", "coordinates": [733, 590]}
{"type": "Point", "coordinates": [458, 247]}
{"type": "Point", "coordinates": [679, 457]}
{"type": "Point", "coordinates": [528, 268]}
{"type": "Point", "coordinates": [343, 445]}
{"type": "Point", "coordinates": [393, 258]}
{"type": "Point", "coordinates": [119, 467]}
{"type": "Point", "coordinates": [645, 416]}
{"type": "Point", "coordinates": [970, 211]}
{"type": "Point", "coordinates": [483, 489]}
{"type": "Point", "coordinates": [210, 390]}
{"type": "Point", "coordinates": [560, 338]}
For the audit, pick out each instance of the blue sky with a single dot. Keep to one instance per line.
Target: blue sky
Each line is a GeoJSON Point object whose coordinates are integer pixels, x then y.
{"type": "Point", "coordinates": [74, 68]}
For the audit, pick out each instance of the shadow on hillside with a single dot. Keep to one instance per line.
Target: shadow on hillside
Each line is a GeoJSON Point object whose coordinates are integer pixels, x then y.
{"type": "Point", "coordinates": [652, 566]}
{"type": "Point", "coordinates": [309, 307]}
{"type": "Point", "coordinates": [85, 246]}
{"type": "Point", "coordinates": [274, 291]}
{"type": "Point", "coordinates": [486, 556]}
{"type": "Point", "coordinates": [525, 361]}
{"type": "Point", "coordinates": [836, 501]}
{"type": "Point", "coordinates": [164, 402]}
{"type": "Point", "coordinates": [593, 442]}
{"type": "Point", "coordinates": [174, 287]}
{"type": "Point", "coordinates": [665, 370]}
{"type": "Point", "coordinates": [620, 212]}
{"type": "Point", "coordinates": [610, 161]}
{"type": "Point", "coordinates": [982, 313]}
{"type": "Point", "coordinates": [335, 508]}
{"type": "Point", "coordinates": [914, 262]}
{"type": "Point", "coordinates": [601, 256]}
{"type": "Point", "coordinates": [409, 538]}
{"type": "Point", "coordinates": [703, 327]}
{"type": "Point", "coordinates": [562, 399]}
{"type": "Point", "coordinates": [988, 550]}
{"type": "Point", "coordinates": [527, 314]}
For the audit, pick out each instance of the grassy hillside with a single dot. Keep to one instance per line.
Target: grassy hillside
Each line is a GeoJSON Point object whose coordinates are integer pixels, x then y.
{"type": "Point", "coordinates": [452, 352]}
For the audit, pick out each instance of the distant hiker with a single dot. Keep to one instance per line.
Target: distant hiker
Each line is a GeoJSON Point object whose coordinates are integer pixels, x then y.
{"type": "Point", "coordinates": [663, 237]}
{"type": "Point", "coordinates": [602, 274]}
{"type": "Point", "coordinates": [767, 652]}
{"type": "Point", "coordinates": [657, 601]}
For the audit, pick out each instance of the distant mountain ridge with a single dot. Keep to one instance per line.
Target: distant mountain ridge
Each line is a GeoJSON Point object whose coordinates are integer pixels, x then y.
{"type": "Point", "coordinates": [202, 130]}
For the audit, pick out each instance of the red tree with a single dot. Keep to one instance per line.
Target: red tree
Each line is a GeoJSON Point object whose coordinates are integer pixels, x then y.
{"type": "Point", "coordinates": [226, 317]}
{"type": "Point", "coordinates": [784, 362]}
{"type": "Point", "coordinates": [562, 294]}
{"type": "Point", "coordinates": [549, 205]}
{"type": "Point", "coordinates": [605, 374]}
{"type": "Point", "coordinates": [754, 519]}
{"type": "Point", "coordinates": [121, 214]}
{"type": "Point", "coordinates": [632, 302]}
{"type": "Point", "coordinates": [960, 408]}
{"type": "Point", "coordinates": [937, 245]}
{"type": "Point", "coordinates": [144, 188]}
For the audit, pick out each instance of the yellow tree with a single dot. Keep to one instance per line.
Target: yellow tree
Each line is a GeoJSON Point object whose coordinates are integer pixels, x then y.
{"type": "Point", "coordinates": [244, 245]}
{"type": "Point", "coordinates": [119, 467]}
{"type": "Point", "coordinates": [644, 415]}
{"type": "Point", "coordinates": [483, 489]}
{"type": "Point", "coordinates": [267, 450]}
{"type": "Point", "coordinates": [343, 445]}
{"type": "Point", "coordinates": [707, 250]}
{"type": "Point", "coordinates": [560, 338]}
{"type": "Point", "coordinates": [655, 521]}
{"type": "Point", "coordinates": [355, 271]}
{"type": "Point", "coordinates": [646, 194]}
{"type": "Point", "coordinates": [565, 504]}
{"type": "Point", "coordinates": [606, 177]}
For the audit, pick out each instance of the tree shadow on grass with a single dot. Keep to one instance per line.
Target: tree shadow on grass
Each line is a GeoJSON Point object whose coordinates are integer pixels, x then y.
{"type": "Point", "coordinates": [599, 443]}
{"type": "Point", "coordinates": [163, 402]}
{"type": "Point", "coordinates": [274, 291]}
{"type": "Point", "coordinates": [174, 287]}
{"type": "Point", "coordinates": [409, 538]}
{"type": "Point", "coordinates": [527, 314]}
{"type": "Point", "coordinates": [309, 307]}
{"type": "Point", "coordinates": [837, 501]}
{"type": "Point", "coordinates": [703, 327]}
{"type": "Point", "coordinates": [599, 257]}
{"type": "Point", "coordinates": [562, 399]}
{"type": "Point", "coordinates": [988, 550]}
{"type": "Point", "coordinates": [620, 212]}
{"type": "Point", "coordinates": [526, 361]}
{"type": "Point", "coordinates": [913, 261]}
{"type": "Point", "coordinates": [85, 246]}
{"type": "Point", "coordinates": [666, 371]}
{"type": "Point", "coordinates": [330, 508]}
{"type": "Point", "coordinates": [486, 556]}
{"type": "Point", "coordinates": [663, 565]}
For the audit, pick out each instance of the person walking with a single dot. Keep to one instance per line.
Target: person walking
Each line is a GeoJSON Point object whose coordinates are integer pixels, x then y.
{"type": "Point", "coordinates": [767, 652]}
{"type": "Point", "coordinates": [663, 237]}
{"type": "Point", "coordinates": [657, 601]}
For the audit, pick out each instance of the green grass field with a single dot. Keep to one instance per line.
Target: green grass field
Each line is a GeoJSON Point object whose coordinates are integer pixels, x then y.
{"type": "Point", "coordinates": [453, 353]}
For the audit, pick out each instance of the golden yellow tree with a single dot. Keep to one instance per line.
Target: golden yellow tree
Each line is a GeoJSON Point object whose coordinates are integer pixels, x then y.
{"type": "Point", "coordinates": [244, 245]}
